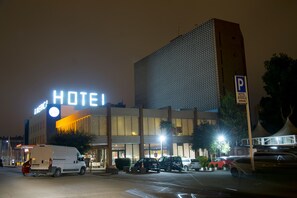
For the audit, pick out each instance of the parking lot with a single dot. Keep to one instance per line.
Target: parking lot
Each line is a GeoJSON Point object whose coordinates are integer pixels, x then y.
{"type": "Point", "coordinates": [164, 184]}
{"type": "Point", "coordinates": [215, 183]}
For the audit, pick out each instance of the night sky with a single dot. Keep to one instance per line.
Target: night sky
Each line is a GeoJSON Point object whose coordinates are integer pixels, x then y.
{"type": "Point", "coordinates": [93, 45]}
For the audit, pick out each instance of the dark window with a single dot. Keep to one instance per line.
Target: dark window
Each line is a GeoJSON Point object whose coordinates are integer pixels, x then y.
{"type": "Point", "coordinates": [244, 160]}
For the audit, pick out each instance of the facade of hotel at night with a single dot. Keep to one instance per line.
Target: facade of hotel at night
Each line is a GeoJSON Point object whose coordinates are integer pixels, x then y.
{"type": "Point", "coordinates": [182, 83]}
{"type": "Point", "coordinates": [194, 70]}
{"type": "Point", "coordinates": [124, 132]}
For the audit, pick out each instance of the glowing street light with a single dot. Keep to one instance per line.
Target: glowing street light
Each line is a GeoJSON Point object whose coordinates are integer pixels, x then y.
{"type": "Point", "coordinates": [162, 139]}
{"type": "Point", "coordinates": [221, 140]}
{"type": "Point", "coordinates": [9, 151]}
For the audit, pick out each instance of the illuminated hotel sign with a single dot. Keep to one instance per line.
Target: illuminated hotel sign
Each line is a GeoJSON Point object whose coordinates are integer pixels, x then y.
{"type": "Point", "coordinates": [41, 107]}
{"type": "Point", "coordinates": [77, 98]}
{"type": "Point", "coordinates": [73, 98]}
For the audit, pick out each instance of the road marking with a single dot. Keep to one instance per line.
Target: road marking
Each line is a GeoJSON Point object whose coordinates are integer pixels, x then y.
{"type": "Point", "coordinates": [163, 189]}
{"type": "Point", "coordinates": [196, 180]}
{"type": "Point", "coordinates": [186, 195]}
{"type": "Point", "coordinates": [232, 189]}
{"type": "Point", "coordinates": [139, 193]}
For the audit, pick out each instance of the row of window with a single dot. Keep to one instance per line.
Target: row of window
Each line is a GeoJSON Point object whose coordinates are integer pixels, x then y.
{"type": "Point", "coordinates": [128, 125]}
{"type": "Point", "coordinates": [120, 126]}
{"type": "Point", "coordinates": [38, 132]}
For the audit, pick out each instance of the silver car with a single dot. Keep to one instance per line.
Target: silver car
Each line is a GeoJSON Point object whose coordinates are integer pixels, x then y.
{"type": "Point", "coordinates": [195, 164]}
{"type": "Point", "coordinates": [186, 163]}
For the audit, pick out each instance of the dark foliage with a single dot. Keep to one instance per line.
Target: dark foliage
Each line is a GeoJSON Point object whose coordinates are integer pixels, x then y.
{"type": "Point", "coordinates": [76, 139]}
{"type": "Point", "coordinates": [281, 87]}
{"type": "Point", "coordinates": [121, 162]}
{"type": "Point", "coordinates": [203, 136]}
{"type": "Point", "coordinates": [233, 119]}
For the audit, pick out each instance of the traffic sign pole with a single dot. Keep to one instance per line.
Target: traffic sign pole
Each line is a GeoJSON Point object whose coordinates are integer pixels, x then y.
{"type": "Point", "coordinates": [247, 106]}
{"type": "Point", "coordinates": [242, 97]}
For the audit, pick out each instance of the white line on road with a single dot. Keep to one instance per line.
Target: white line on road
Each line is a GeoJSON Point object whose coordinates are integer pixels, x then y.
{"type": "Point", "coordinates": [139, 193]}
{"type": "Point", "coordinates": [231, 189]}
{"type": "Point", "coordinates": [196, 179]}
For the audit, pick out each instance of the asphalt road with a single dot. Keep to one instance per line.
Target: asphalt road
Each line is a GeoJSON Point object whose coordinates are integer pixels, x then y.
{"type": "Point", "coordinates": [186, 184]}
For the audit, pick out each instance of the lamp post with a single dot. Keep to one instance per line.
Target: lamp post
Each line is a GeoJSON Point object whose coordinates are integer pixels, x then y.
{"type": "Point", "coordinates": [221, 140]}
{"type": "Point", "coordinates": [8, 150]}
{"type": "Point", "coordinates": [162, 139]}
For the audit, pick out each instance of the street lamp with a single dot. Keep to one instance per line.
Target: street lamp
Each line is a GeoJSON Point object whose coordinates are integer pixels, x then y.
{"type": "Point", "coordinates": [8, 150]}
{"type": "Point", "coordinates": [221, 140]}
{"type": "Point", "coordinates": [162, 139]}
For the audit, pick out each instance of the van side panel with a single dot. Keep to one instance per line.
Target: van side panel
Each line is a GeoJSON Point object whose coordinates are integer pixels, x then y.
{"type": "Point", "coordinates": [41, 157]}
{"type": "Point", "coordinates": [60, 157]}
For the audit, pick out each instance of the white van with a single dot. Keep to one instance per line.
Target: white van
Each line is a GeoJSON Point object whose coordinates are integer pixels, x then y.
{"type": "Point", "coordinates": [55, 160]}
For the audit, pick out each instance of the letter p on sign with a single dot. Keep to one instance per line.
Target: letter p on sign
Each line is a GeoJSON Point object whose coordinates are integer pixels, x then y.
{"type": "Point", "coordinates": [240, 84]}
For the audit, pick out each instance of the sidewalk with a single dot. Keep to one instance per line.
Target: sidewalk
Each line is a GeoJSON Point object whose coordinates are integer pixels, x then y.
{"type": "Point", "coordinates": [10, 166]}
{"type": "Point", "coordinates": [103, 171]}
{"type": "Point", "coordinates": [97, 171]}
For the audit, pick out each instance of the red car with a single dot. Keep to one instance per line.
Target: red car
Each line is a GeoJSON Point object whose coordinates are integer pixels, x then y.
{"type": "Point", "coordinates": [26, 167]}
{"type": "Point", "coordinates": [222, 162]}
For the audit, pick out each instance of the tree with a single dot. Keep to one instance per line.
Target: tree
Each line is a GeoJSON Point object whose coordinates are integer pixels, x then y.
{"type": "Point", "coordinates": [233, 119]}
{"type": "Point", "coordinates": [203, 136]}
{"type": "Point", "coordinates": [167, 126]}
{"type": "Point", "coordinates": [281, 87]}
{"type": "Point", "coordinates": [169, 129]}
{"type": "Point", "coordinates": [206, 136]}
{"type": "Point", "coordinates": [76, 139]}
{"type": "Point", "coordinates": [222, 146]}
{"type": "Point", "coordinates": [269, 116]}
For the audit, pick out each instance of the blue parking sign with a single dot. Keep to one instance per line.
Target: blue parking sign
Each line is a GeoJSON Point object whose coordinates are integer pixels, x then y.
{"type": "Point", "coordinates": [240, 84]}
{"type": "Point", "coordinates": [241, 90]}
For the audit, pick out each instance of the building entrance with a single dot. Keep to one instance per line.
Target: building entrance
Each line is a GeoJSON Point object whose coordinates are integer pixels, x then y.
{"type": "Point", "coordinates": [96, 157]}
{"type": "Point", "coordinates": [117, 154]}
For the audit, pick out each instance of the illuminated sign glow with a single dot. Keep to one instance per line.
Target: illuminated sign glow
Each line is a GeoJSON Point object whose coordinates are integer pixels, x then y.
{"type": "Point", "coordinates": [54, 112]}
{"type": "Point", "coordinates": [73, 98]}
{"type": "Point", "coordinates": [77, 98]}
{"type": "Point", "coordinates": [41, 107]}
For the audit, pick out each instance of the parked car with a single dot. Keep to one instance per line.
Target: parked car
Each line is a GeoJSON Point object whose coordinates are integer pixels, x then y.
{"type": "Point", "coordinates": [148, 163]}
{"type": "Point", "coordinates": [26, 167]}
{"type": "Point", "coordinates": [195, 164]}
{"type": "Point", "coordinates": [265, 162]}
{"type": "Point", "coordinates": [218, 162]}
{"type": "Point", "coordinates": [222, 162]}
{"type": "Point", "coordinates": [171, 163]}
{"type": "Point", "coordinates": [186, 163]}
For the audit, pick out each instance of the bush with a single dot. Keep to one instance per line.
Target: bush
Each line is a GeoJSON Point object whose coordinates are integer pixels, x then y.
{"type": "Point", "coordinates": [226, 166]}
{"type": "Point", "coordinates": [203, 161]}
{"type": "Point", "coordinates": [121, 162]}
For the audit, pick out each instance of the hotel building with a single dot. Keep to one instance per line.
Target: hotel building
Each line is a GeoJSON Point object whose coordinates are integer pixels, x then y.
{"type": "Point", "coordinates": [194, 70]}
{"type": "Point", "coordinates": [181, 83]}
